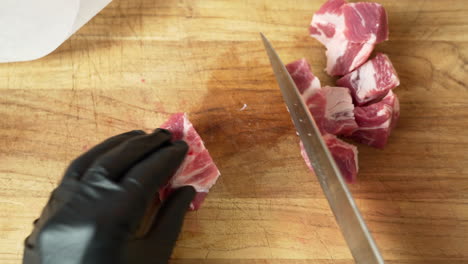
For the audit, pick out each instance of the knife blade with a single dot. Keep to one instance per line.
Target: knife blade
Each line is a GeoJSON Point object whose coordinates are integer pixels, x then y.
{"type": "Point", "coordinates": [347, 215]}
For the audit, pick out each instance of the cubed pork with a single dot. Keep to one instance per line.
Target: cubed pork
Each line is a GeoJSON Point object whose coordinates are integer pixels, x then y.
{"type": "Point", "coordinates": [331, 107]}
{"type": "Point", "coordinates": [344, 154]}
{"type": "Point", "coordinates": [376, 121]}
{"type": "Point", "coordinates": [339, 111]}
{"type": "Point", "coordinates": [349, 31]}
{"type": "Point", "coordinates": [309, 87]}
{"type": "Point", "coordinates": [198, 169]}
{"type": "Point", "coordinates": [333, 111]}
{"type": "Point", "coordinates": [302, 76]}
{"type": "Point", "coordinates": [371, 81]}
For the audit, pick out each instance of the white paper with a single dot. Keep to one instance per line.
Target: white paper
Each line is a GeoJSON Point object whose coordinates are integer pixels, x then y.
{"type": "Point", "coordinates": [31, 29]}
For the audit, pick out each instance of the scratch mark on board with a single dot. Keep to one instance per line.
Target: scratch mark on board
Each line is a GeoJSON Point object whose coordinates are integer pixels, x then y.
{"type": "Point", "coordinates": [94, 111]}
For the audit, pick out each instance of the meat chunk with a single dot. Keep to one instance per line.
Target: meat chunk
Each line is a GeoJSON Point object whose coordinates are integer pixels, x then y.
{"type": "Point", "coordinates": [365, 22]}
{"type": "Point", "coordinates": [198, 168]}
{"type": "Point", "coordinates": [302, 76]}
{"type": "Point", "coordinates": [349, 32]}
{"type": "Point", "coordinates": [317, 103]}
{"type": "Point", "coordinates": [310, 89]}
{"type": "Point", "coordinates": [333, 112]}
{"type": "Point", "coordinates": [339, 111]}
{"type": "Point", "coordinates": [344, 154]}
{"type": "Point", "coordinates": [376, 121]}
{"type": "Point", "coordinates": [331, 107]}
{"type": "Point", "coordinates": [371, 81]}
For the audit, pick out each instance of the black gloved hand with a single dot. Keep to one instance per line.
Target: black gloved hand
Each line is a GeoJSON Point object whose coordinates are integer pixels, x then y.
{"type": "Point", "coordinates": [92, 216]}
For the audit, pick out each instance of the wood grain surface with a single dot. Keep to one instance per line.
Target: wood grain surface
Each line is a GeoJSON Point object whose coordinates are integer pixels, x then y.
{"type": "Point", "coordinates": [138, 61]}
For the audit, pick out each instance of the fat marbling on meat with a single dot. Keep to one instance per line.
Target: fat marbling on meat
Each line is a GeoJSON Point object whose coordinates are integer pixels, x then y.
{"type": "Point", "coordinates": [309, 88]}
{"type": "Point", "coordinates": [371, 81]}
{"type": "Point", "coordinates": [349, 31]}
{"type": "Point", "coordinates": [302, 76]}
{"type": "Point", "coordinates": [198, 169]}
{"type": "Point", "coordinates": [333, 112]}
{"type": "Point", "coordinates": [339, 111]}
{"type": "Point", "coordinates": [344, 154]}
{"type": "Point", "coordinates": [331, 107]}
{"type": "Point", "coordinates": [376, 121]}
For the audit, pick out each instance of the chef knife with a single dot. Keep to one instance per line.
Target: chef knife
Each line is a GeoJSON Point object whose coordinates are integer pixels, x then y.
{"type": "Point", "coordinates": [348, 217]}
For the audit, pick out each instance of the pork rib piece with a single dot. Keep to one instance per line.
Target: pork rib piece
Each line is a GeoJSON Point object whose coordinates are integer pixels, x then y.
{"type": "Point", "coordinates": [349, 31]}
{"type": "Point", "coordinates": [376, 121]}
{"type": "Point", "coordinates": [302, 76]}
{"type": "Point", "coordinates": [339, 111]}
{"type": "Point", "coordinates": [371, 81]}
{"type": "Point", "coordinates": [333, 111]}
{"type": "Point", "coordinates": [331, 107]}
{"type": "Point", "coordinates": [344, 154]}
{"type": "Point", "coordinates": [198, 168]}
{"type": "Point", "coordinates": [310, 89]}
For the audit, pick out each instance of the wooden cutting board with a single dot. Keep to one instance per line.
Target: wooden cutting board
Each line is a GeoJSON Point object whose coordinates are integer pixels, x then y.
{"type": "Point", "coordinates": [138, 61]}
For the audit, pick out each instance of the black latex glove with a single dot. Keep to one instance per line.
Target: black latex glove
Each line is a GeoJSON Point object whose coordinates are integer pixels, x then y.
{"type": "Point", "coordinates": [92, 216]}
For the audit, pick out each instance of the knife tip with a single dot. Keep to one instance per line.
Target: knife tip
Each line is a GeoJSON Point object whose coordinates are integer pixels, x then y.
{"type": "Point", "coordinates": [264, 39]}
{"type": "Point", "coordinates": [262, 36]}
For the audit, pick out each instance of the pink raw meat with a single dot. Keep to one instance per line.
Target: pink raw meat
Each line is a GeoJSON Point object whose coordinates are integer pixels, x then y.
{"type": "Point", "coordinates": [376, 121]}
{"type": "Point", "coordinates": [339, 111]}
{"type": "Point", "coordinates": [317, 102]}
{"type": "Point", "coordinates": [365, 22]}
{"type": "Point", "coordinates": [302, 75]}
{"type": "Point", "coordinates": [371, 81]}
{"type": "Point", "coordinates": [309, 87]}
{"type": "Point", "coordinates": [349, 31]}
{"type": "Point", "coordinates": [198, 169]}
{"type": "Point", "coordinates": [331, 107]}
{"type": "Point", "coordinates": [344, 154]}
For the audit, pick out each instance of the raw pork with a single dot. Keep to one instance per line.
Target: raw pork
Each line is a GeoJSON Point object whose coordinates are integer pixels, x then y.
{"type": "Point", "coordinates": [198, 169]}
{"type": "Point", "coordinates": [371, 81]}
{"type": "Point", "coordinates": [344, 154]}
{"type": "Point", "coordinates": [339, 111]}
{"type": "Point", "coordinates": [333, 112]}
{"type": "Point", "coordinates": [302, 76]}
{"type": "Point", "coordinates": [349, 31]}
{"type": "Point", "coordinates": [310, 89]}
{"type": "Point", "coordinates": [331, 107]}
{"type": "Point", "coordinates": [376, 121]}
